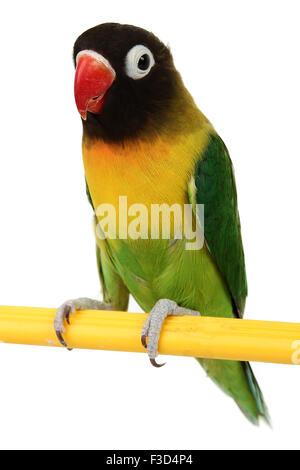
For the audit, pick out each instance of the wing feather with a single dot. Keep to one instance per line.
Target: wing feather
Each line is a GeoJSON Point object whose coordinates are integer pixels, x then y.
{"type": "Point", "coordinates": [215, 188]}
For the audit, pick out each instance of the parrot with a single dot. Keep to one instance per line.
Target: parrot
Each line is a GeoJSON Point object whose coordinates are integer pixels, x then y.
{"type": "Point", "coordinates": [145, 138]}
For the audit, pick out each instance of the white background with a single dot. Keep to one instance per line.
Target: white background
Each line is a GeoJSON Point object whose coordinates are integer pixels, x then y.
{"type": "Point", "coordinates": [240, 60]}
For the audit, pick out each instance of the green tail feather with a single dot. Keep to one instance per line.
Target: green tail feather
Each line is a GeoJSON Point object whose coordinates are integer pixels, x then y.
{"type": "Point", "coordinates": [237, 380]}
{"type": "Point", "coordinates": [257, 393]}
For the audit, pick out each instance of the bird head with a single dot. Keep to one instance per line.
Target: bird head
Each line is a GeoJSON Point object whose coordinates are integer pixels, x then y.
{"type": "Point", "coordinates": [125, 81]}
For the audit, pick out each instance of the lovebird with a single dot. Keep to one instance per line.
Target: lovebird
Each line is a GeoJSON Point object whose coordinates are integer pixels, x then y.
{"type": "Point", "coordinates": [147, 149]}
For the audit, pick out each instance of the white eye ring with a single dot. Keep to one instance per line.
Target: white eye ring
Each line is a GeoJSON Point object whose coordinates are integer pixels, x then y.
{"type": "Point", "coordinates": [132, 62]}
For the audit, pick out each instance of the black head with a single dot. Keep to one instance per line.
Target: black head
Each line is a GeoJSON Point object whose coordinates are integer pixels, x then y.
{"type": "Point", "coordinates": [139, 86]}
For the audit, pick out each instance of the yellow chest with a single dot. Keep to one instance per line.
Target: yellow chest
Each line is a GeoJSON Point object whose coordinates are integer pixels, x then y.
{"type": "Point", "coordinates": [146, 173]}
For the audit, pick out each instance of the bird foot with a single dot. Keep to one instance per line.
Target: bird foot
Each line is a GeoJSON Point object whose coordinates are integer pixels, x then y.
{"type": "Point", "coordinates": [152, 326]}
{"type": "Point", "coordinates": [69, 307]}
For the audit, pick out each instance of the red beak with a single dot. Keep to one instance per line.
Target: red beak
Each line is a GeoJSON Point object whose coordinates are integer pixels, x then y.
{"type": "Point", "coordinates": [94, 75]}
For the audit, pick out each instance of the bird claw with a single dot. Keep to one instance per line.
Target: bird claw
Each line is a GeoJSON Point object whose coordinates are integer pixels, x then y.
{"type": "Point", "coordinates": [60, 339]}
{"type": "Point", "coordinates": [153, 361]}
{"type": "Point", "coordinates": [67, 314]}
{"type": "Point", "coordinates": [152, 326]}
{"type": "Point", "coordinates": [71, 306]}
{"type": "Point", "coordinates": [155, 364]}
{"type": "Point", "coordinates": [63, 312]}
{"type": "Point", "coordinates": [144, 341]}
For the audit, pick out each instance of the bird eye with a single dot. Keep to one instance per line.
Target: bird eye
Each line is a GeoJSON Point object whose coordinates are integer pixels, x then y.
{"type": "Point", "coordinates": [138, 62]}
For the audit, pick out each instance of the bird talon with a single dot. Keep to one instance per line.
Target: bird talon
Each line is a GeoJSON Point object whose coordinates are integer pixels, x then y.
{"type": "Point", "coordinates": [144, 341]}
{"type": "Point", "coordinates": [155, 364]}
{"type": "Point", "coordinates": [71, 306]}
{"type": "Point", "coordinates": [151, 329]}
{"type": "Point", "coordinates": [67, 314]}
{"type": "Point", "coordinates": [60, 339]}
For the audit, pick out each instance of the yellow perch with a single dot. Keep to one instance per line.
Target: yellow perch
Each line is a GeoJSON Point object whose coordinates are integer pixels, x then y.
{"type": "Point", "coordinates": [207, 337]}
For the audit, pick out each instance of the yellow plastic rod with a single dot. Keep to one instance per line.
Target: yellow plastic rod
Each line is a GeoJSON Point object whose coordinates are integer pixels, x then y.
{"type": "Point", "coordinates": [207, 337]}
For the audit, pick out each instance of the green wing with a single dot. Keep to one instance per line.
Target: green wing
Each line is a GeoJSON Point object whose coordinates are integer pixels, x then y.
{"type": "Point", "coordinates": [215, 188]}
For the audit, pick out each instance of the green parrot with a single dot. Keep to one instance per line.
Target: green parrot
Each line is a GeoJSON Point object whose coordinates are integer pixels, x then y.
{"type": "Point", "coordinates": [145, 140]}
